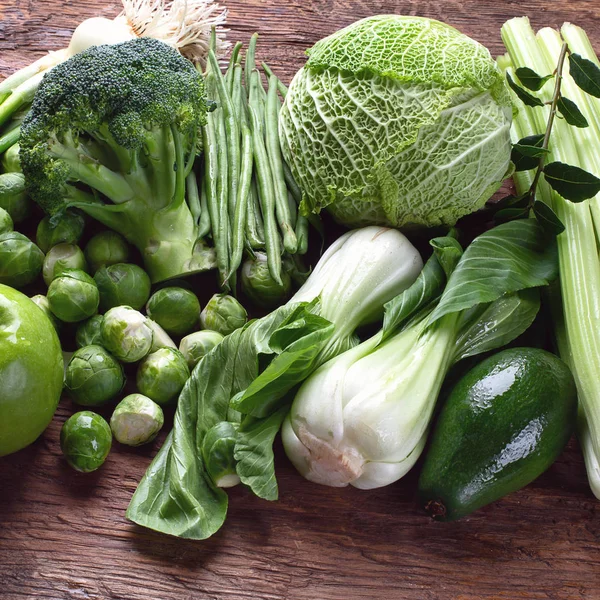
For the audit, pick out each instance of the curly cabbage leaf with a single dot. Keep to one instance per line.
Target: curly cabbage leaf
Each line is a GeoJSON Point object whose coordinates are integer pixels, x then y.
{"type": "Point", "coordinates": [397, 120]}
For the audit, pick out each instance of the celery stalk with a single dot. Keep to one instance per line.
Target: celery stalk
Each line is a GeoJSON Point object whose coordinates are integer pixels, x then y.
{"type": "Point", "coordinates": [577, 247]}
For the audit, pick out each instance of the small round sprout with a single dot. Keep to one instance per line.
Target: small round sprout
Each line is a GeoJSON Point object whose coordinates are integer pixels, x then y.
{"type": "Point", "coordinates": [43, 303]}
{"type": "Point", "coordinates": [6, 222]}
{"type": "Point", "coordinates": [175, 309]}
{"type": "Point", "coordinates": [60, 258]}
{"type": "Point", "coordinates": [85, 440]}
{"type": "Point", "coordinates": [217, 453]}
{"type": "Point", "coordinates": [197, 344]}
{"type": "Point", "coordinates": [136, 420]}
{"type": "Point", "coordinates": [93, 376]}
{"type": "Point", "coordinates": [223, 314]}
{"type": "Point", "coordinates": [161, 338]}
{"type": "Point", "coordinates": [20, 259]}
{"type": "Point", "coordinates": [126, 334]}
{"type": "Point", "coordinates": [122, 284]}
{"type": "Point", "coordinates": [89, 333]}
{"type": "Point", "coordinates": [13, 197]}
{"type": "Point", "coordinates": [162, 375]}
{"type": "Point", "coordinates": [259, 285]}
{"type": "Point", "coordinates": [106, 248]}
{"type": "Point", "coordinates": [66, 229]}
{"type": "Point", "coordinates": [73, 296]}
{"type": "Point", "coordinates": [10, 160]}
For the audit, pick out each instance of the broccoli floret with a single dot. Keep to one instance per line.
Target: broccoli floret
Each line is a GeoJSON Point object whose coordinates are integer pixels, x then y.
{"type": "Point", "coordinates": [113, 131]}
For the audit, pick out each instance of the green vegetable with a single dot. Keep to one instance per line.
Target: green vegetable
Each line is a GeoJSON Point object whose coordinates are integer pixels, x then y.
{"type": "Point", "coordinates": [136, 147]}
{"type": "Point", "coordinates": [10, 160]}
{"type": "Point", "coordinates": [31, 371]}
{"type": "Point", "coordinates": [20, 259]}
{"type": "Point", "coordinates": [217, 452]}
{"type": "Point", "coordinates": [175, 309]}
{"type": "Point", "coordinates": [89, 333]}
{"type": "Point", "coordinates": [162, 375]}
{"type": "Point", "coordinates": [93, 377]}
{"type": "Point", "coordinates": [68, 229]}
{"type": "Point", "coordinates": [350, 284]}
{"type": "Point", "coordinates": [106, 248]}
{"type": "Point", "coordinates": [362, 418]}
{"type": "Point", "coordinates": [85, 441]}
{"type": "Point", "coordinates": [505, 422]}
{"type": "Point", "coordinates": [196, 345]}
{"type": "Point", "coordinates": [259, 285]}
{"type": "Point", "coordinates": [13, 197]}
{"type": "Point", "coordinates": [122, 285]}
{"type": "Point", "coordinates": [223, 314]}
{"type": "Point", "coordinates": [576, 317]}
{"type": "Point", "coordinates": [136, 420]}
{"type": "Point", "coordinates": [126, 334]}
{"type": "Point", "coordinates": [73, 296]}
{"type": "Point", "coordinates": [399, 120]}
{"type": "Point", "coordinates": [60, 258]}
{"type": "Point", "coordinates": [43, 303]}
{"type": "Point", "coordinates": [6, 222]}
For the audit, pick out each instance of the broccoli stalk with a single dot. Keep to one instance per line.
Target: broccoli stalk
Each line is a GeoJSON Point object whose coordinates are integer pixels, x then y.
{"type": "Point", "coordinates": [113, 131]}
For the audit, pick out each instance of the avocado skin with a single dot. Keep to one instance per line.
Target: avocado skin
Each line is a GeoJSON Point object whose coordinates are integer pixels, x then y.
{"type": "Point", "coordinates": [504, 423]}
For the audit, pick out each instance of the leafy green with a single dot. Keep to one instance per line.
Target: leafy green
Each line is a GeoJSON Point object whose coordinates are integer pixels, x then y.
{"type": "Point", "coordinates": [547, 217]}
{"type": "Point", "coordinates": [585, 74]}
{"type": "Point", "coordinates": [571, 182]}
{"type": "Point", "coordinates": [523, 95]}
{"type": "Point", "coordinates": [530, 79]}
{"type": "Point", "coordinates": [570, 111]}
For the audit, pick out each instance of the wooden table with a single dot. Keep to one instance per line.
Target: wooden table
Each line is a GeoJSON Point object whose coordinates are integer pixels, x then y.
{"type": "Point", "coordinates": [63, 535]}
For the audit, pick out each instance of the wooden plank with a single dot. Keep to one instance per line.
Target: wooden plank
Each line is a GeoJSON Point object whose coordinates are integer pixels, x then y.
{"type": "Point", "coordinates": [63, 535]}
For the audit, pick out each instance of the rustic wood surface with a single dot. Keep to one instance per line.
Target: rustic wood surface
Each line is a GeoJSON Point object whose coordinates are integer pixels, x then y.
{"type": "Point", "coordinates": [64, 535]}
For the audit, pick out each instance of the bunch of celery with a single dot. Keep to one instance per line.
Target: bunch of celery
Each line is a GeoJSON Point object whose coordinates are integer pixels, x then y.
{"type": "Point", "coordinates": [578, 320]}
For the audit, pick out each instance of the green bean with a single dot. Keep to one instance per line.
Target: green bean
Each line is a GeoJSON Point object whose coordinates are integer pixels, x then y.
{"type": "Point", "coordinates": [193, 197]}
{"type": "Point", "coordinates": [237, 95]}
{"type": "Point", "coordinates": [204, 223]}
{"type": "Point", "coordinates": [265, 183]}
{"type": "Point", "coordinates": [233, 60]}
{"type": "Point", "coordinates": [302, 234]}
{"type": "Point", "coordinates": [232, 135]}
{"type": "Point", "coordinates": [292, 186]}
{"type": "Point", "coordinates": [282, 208]}
{"type": "Point", "coordinates": [254, 226]}
{"type": "Point", "coordinates": [283, 89]}
{"type": "Point", "coordinates": [293, 208]}
{"type": "Point", "coordinates": [250, 66]}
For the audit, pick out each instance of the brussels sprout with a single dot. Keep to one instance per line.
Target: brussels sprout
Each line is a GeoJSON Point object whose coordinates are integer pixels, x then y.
{"type": "Point", "coordinates": [175, 309]}
{"type": "Point", "coordinates": [260, 287]}
{"type": "Point", "coordinates": [106, 248]}
{"type": "Point", "coordinates": [43, 303]}
{"type": "Point", "coordinates": [122, 285]}
{"type": "Point", "coordinates": [13, 197]}
{"type": "Point", "coordinates": [162, 375]}
{"type": "Point", "coordinates": [126, 334]}
{"type": "Point", "coordinates": [160, 337]}
{"type": "Point", "coordinates": [136, 420]}
{"type": "Point", "coordinates": [10, 160]}
{"type": "Point", "coordinates": [60, 258]}
{"type": "Point", "coordinates": [197, 344]}
{"type": "Point", "coordinates": [217, 452]}
{"type": "Point", "coordinates": [93, 376]}
{"type": "Point", "coordinates": [85, 440]}
{"type": "Point", "coordinates": [67, 229]}
{"type": "Point", "coordinates": [89, 333]}
{"type": "Point", "coordinates": [20, 259]}
{"type": "Point", "coordinates": [6, 222]}
{"type": "Point", "coordinates": [223, 314]}
{"type": "Point", "coordinates": [73, 296]}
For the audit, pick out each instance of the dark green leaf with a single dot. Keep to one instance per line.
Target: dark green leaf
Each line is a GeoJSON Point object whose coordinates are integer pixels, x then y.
{"type": "Point", "coordinates": [511, 214]}
{"type": "Point", "coordinates": [510, 201]}
{"type": "Point", "coordinates": [530, 79]}
{"type": "Point", "coordinates": [526, 152]}
{"type": "Point", "coordinates": [585, 74]}
{"type": "Point", "coordinates": [571, 182]}
{"type": "Point", "coordinates": [548, 219]}
{"type": "Point", "coordinates": [570, 111]}
{"type": "Point", "coordinates": [448, 252]}
{"type": "Point", "coordinates": [254, 453]}
{"type": "Point", "coordinates": [525, 97]}
{"type": "Point", "coordinates": [486, 327]}
{"type": "Point", "coordinates": [508, 258]}
{"type": "Point", "coordinates": [428, 286]}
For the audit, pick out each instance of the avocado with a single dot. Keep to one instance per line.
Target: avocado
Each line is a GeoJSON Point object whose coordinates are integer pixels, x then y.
{"type": "Point", "coordinates": [504, 423]}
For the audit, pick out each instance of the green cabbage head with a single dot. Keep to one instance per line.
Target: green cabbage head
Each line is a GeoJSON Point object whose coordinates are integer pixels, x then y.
{"type": "Point", "coordinates": [397, 121]}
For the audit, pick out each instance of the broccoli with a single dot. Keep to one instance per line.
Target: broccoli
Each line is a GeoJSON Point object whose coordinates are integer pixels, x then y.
{"type": "Point", "coordinates": [113, 131]}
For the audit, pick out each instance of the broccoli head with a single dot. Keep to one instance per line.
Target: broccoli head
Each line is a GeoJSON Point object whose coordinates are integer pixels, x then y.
{"type": "Point", "coordinates": [114, 131]}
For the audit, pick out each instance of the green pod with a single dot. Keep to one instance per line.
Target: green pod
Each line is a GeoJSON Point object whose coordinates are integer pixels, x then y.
{"type": "Point", "coordinates": [504, 423]}
{"type": "Point", "coordinates": [217, 452]}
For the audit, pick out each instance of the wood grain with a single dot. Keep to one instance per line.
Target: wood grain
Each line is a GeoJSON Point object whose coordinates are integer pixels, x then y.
{"type": "Point", "coordinates": [63, 535]}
